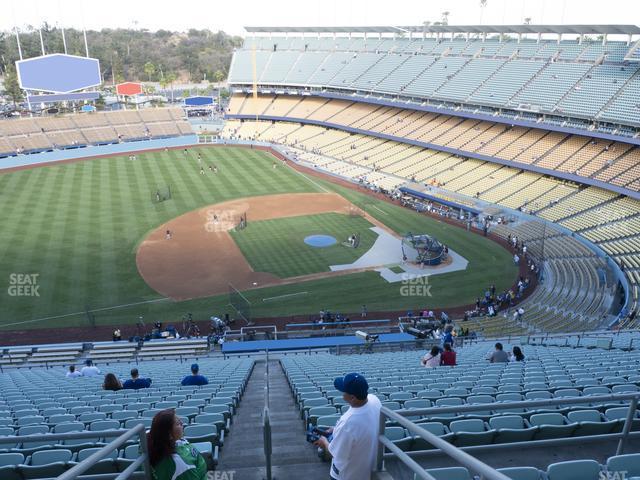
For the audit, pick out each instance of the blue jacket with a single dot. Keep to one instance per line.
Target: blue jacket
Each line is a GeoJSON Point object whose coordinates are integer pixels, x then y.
{"type": "Point", "coordinates": [195, 380]}
{"type": "Point", "coordinates": [137, 384]}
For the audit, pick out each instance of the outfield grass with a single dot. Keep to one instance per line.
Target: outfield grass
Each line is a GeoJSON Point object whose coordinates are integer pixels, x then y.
{"type": "Point", "coordinates": [277, 246]}
{"type": "Point", "coordinates": [78, 225]}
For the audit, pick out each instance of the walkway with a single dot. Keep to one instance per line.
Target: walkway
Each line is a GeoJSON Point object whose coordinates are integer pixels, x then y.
{"type": "Point", "coordinates": [243, 450]}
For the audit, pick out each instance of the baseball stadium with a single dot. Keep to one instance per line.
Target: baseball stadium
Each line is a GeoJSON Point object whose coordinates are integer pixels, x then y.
{"type": "Point", "coordinates": [437, 225]}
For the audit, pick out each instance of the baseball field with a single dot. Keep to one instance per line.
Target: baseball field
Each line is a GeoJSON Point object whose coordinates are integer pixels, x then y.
{"type": "Point", "coordinates": [90, 237]}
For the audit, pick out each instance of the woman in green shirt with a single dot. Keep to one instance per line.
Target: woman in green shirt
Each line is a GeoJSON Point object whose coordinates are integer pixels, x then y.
{"type": "Point", "coordinates": [171, 456]}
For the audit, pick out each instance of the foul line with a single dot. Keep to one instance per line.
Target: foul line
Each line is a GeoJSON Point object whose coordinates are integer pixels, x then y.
{"type": "Point", "coordinates": [84, 312]}
{"type": "Point", "coordinates": [284, 296]}
{"type": "Point", "coordinates": [381, 211]}
{"type": "Point", "coordinates": [309, 179]}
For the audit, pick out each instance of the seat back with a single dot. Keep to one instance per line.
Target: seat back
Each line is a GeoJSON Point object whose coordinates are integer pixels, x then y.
{"type": "Point", "coordinates": [521, 473]}
{"type": "Point", "coordinates": [546, 419]}
{"type": "Point", "coordinates": [11, 459]}
{"type": "Point", "coordinates": [629, 463]}
{"type": "Point", "coordinates": [44, 457]}
{"type": "Point", "coordinates": [574, 470]}
{"type": "Point", "coordinates": [471, 425]}
{"type": "Point", "coordinates": [450, 473]}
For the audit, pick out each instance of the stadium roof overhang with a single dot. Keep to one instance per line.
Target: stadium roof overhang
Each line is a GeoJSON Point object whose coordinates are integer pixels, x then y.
{"type": "Point", "coordinates": [518, 29]}
{"type": "Point", "coordinates": [324, 29]}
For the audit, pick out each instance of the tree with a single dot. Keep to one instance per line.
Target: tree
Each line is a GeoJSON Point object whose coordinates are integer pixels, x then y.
{"type": "Point", "coordinates": [218, 76]}
{"type": "Point", "coordinates": [527, 20]}
{"type": "Point", "coordinates": [12, 87]}
{"type": "Point", "coordinates": [149, 69]}
{"type": "Point", "coordinates": [445, 18]}
{"type": "Point", "coordinates": [170, 78]}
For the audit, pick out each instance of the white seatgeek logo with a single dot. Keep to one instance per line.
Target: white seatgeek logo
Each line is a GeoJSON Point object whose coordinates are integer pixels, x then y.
{"type": "Point", "coordinates": [415, 286]}
{"type": "Point", "coordinates": [619, 475]}
{"type": "Point", "coordinates": [221, 475]}
{"type": "Point", "coordinates": [23, 285]}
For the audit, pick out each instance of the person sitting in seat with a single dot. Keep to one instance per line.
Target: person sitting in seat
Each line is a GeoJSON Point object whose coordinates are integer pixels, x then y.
{"type": "Point", "coordinates": [432, 359]}
{"type": "Point", "coordinates": [111, 382]}
{"type": "Point", "coordinates": [170, 455]}
{"type": "Point", "coordinates": [516, 355]}
{"type": "Point", "coordinates": [135, 382]}
{"type": "Point", "coordinates": [89, 369]}
{"type": "Point", "coordinates": [72, 373]}
{"type": "Point", "coordinates": [448, 357]}
{"type": "Point", "coordinates": [499, 355]}
{"type": "Point", "coordinates": [195, 378]}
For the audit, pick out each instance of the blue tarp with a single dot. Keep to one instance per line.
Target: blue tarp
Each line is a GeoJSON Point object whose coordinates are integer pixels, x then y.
{"type": "Point", "coordinates": [198, 101]}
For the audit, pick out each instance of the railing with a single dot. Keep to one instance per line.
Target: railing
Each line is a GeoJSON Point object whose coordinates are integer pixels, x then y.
{"type": "Point", "coordinates": [121, 437]}
{"type": "Point", "coordinates": [471, 463]}
{"type": "Point", "coordinates": [244, 330]}
{"type": "Point", "coordinates": [455, 453]}
{"type": "Point", "coordinates": [268, 450]}
{"type": "Point", "coordinates": [315, 326]}
{"type": "Point", "coordinates": [266, 421]}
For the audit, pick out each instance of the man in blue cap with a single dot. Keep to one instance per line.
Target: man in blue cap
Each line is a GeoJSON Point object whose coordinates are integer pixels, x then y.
{"type": "Point", "coordinates": [195, 378]}
{"type": "Point", "coordinates": [355, 437]}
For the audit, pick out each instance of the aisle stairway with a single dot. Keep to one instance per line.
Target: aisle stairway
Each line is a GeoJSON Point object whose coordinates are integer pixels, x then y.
{"type": "Point", "coordinates": [243, 450]}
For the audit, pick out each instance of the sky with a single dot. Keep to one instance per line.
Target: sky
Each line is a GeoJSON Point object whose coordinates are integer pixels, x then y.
{"type": "Point", "coordinates": [232, 16]}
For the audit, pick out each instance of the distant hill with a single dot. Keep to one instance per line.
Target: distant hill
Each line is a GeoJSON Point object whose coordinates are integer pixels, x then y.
{"type": "Point", "coordinates": [134, 54]}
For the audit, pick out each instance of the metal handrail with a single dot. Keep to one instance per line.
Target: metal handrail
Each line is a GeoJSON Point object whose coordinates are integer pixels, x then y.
{"type": "Point", "coordinates": [64, 436]}
{"type": "Point", "coordinates": [268, 447]}
{"type": "Point", "coordinates": [467, 460]}
{"type": "Point", "coordinates": [455, 453]}
{"type": "Point", "coordinates": [522, 404]}
{"type": "Point", "coordinates": [86, 464]}
{"type": "Point", "coordinates": [326, 324]}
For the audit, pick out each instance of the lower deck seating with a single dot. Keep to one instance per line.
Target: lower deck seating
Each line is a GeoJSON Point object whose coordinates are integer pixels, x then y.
{"type": "Point", "coordinates": [571, 296]}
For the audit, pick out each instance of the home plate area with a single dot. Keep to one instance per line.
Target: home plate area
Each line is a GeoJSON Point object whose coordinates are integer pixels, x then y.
{"type": "Point", "coordinates": [387, 253]}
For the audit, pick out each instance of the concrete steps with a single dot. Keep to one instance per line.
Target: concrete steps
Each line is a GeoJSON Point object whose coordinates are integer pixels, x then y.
{"type": "Point", "coordinates": [243, 451]}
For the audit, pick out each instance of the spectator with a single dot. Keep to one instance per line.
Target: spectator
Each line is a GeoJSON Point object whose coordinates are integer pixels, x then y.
{"type": "Point", "coordinates": [516, 355]}
{"type": "Point", "coordinates": [170, 455]}
{"type": "Point", "coordinates": [355, 437]}
{"type": "Point", "coordinates": [499, 355]}
{"type": "Point", "coordinates": [448, 357]}
{"type": "Point", "coordinates": [111, 382]}
{"type": "Point", "coordinates": [432, 359]}
{"type": "Point", "coordinates": [447, 337]}
{"type": "Point", "coordinates": [195, 378]}
{"type": "Point", "coordinates": [135, 382]}
{"type": "Point", "coordinates": [89, 369]}
{"type": "Point", "coordinates": [72, 372]}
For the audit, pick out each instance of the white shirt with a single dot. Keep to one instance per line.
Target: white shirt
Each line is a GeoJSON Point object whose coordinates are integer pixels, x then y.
{"type": "Point", "coordinates": [430, 362]}
{"type": "Point", "coordinates": [74, 374]}
{"type": "Point", "coordinates": [355, 442]}
{"type": "Point", "coordinates": [90, 371]}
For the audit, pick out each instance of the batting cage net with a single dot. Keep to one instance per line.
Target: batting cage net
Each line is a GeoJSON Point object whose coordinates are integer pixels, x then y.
{"type": "Point", "coordinates": [240, 304]}
{"type": "Point", "coordinates": [161, 194]}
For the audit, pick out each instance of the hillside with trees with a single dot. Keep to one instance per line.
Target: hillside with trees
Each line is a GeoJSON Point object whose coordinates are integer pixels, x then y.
{"type": "Point", "coordinates": [133, 54]}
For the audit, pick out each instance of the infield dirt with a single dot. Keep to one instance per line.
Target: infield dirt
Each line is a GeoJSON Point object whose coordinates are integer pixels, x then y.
{"type": "Point", "coordinates": [201, 259]}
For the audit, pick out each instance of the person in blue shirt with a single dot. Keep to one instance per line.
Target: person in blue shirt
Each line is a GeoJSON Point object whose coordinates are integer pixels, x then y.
{"type": "Point", "coordinates": [136, 383]}
{"type": "Point", "coordinates": [195, 378]}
